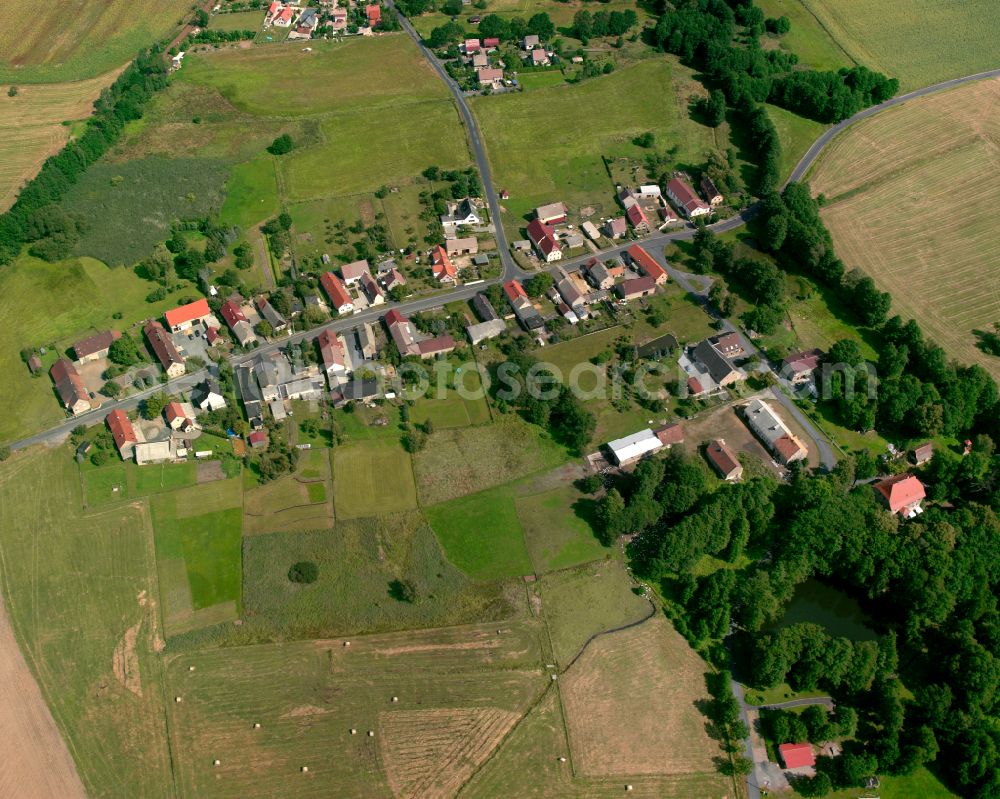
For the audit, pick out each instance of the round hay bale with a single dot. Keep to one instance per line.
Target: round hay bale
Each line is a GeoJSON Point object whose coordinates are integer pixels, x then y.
{"type": "Point", "coordinates": [395, 699]}
{"type": "Point", "coordinates": [347, 643]}
{"type": "Point", "coordinates": [353, 731]}
{"type": "Point", "coordinates": [628, 787]}
{"type": "Point", "coordinates": [371, 733]}
{"type": "Point", "coordinates": [562, 759]}
{"type": "Point", "coordinates": [217, 762]}
{"type": "Point", "coordinates": [305, 769]}
{"type": "Point", "coordinates": [190, 668]}
{"type": "Point", "coordinates": [178, 699]}
{"type": "Point", "coordinates": [256, 725]}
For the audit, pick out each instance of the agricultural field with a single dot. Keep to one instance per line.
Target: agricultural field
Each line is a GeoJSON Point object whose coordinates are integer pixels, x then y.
{"type": "Point", "coordinates": [561, 13]}
{"type": "Point", "coordinates": [300, 501]}
{"type": "Point", "coordinates": [61, 44]}
{"type": "Point", "coordinates": [466, 460]}
{"type": "Point", "coordinates": [35, 124]}
{"type": "Point", "coordinates": [630, 706]}
{"type": "Point", "coordinates": [562, 160]}
{"type": "Point", "coordinates": [886, 180]}
{"type": "Point", "coordinates": [372, 479]}
{"type": "Point", "coordinates": [807, 38]}
{"type": "Point", "coordinates": [459, 692]}
{"type": "Point", "coordinates": [198, 535]}
{"type": "Point", "coordinates": [237, 21]}
{"type": "Point", "coordinates": [558, 527]}
{"type": "Point", "coordinates": [581, 602]}
{"type": "Point", "coordinates": [918, 42]}
{"type": "Point", "coordinates": [363, 564]}
{"type": "Point", "coordinates": [86, 617]}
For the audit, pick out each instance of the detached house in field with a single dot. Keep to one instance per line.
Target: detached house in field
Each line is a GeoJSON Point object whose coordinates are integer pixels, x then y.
{"type": "Point", "coordinates": [373, 12]}
{"type": "Point", "coordinates": [69, 385]}
{"type": "Point", "coordinates": [711, 193]}
{"type": "Point", "coordinates": [717, 366]}
{"type": "Point", "coordinates": [636, 287]}
{"type": "Point", "coordinates": [724, 460]}
{"type": "Point", "coordinates": [800, 366]}
{"type": "Point", "coordinates": [232, 313]}
{"type": "Point", "coordinates": [340, 298]}
{"type": "Point", "coordinates": [684, 197]}
{"type": "Point", "coordinates": [163, 348]}
{"type": "Point", "coordinates": [95, 347]}
{"type": "Point", "coordinates": [122, 432]}
{"type": "Point", "coordinates": [634, 447]}
{"type": "Point", "coordinates": [489, 76]}
{"type": "Point", "coordinates": [902, 494]}
{"type": "Point", "coordinates": [922, 454]}
{"type": "Point", "coordinates": [543, 236]}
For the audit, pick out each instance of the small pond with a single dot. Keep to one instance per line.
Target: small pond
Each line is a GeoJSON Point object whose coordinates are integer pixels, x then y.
{"type": "Point", "coordinates": [837, 613]}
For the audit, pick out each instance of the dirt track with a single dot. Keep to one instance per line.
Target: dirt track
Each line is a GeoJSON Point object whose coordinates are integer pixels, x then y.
{"type": "Point", "coordinates": [34, 760]}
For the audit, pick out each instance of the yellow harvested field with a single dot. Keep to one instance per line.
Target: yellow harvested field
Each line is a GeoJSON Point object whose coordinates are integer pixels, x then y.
{"type": "Point", "coordinates": [31, 126]}
{"type": "Point", "coordinates": [912, 198]}
{"type": "Point", "coordinates": [630, 706]}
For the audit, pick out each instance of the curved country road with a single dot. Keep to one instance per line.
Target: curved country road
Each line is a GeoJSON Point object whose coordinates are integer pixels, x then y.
{"type": "Point", "coordinates": [510, 268]}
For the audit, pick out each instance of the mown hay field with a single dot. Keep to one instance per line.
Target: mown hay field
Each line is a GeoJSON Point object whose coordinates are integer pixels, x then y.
{"type": "Point", "coordinates": [32, 129]}
{"type": "Point", "coordinates": [892, 182]}
{"type": "Point", "coordinates": [372, 479]}
{"type": "Point", "coordinates": [80, 594]}
{"type": "Point", "coordinates": [459, 692]}
{"type": "Point", "coordinates": [300, 501]}
{"type": "Point", "coordinates": [79, 39]}
{"type": "Point", "coordinates": [920, 42]}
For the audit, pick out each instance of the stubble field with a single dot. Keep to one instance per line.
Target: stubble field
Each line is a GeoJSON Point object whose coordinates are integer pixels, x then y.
{"type": "Point", "coordinates": [912, 196]}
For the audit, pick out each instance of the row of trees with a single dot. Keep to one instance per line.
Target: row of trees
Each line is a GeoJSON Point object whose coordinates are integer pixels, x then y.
{"type": "Point", "coordinates": [31, 218]}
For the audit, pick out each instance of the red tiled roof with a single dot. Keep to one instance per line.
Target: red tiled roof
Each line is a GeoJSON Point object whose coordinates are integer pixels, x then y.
{"type": "Point", "coordinates": [543, 236]}
{"type": "Point", "coordinates": [471, 45]}
{"type": "Point", "coordinates": [788, 448]}
{"type": "Point", "coordinates": [335, 290]}
{"type": "Point", "coordinates": [647, 265]}
{"type": "Point", "coordinates": [636, 215]}
{"type": "Point", "coordinates": [121, 428]}
{"type": "Point", "coordinates": [162, 344]}
{"type": "Point", "coordinates": [232, 313]}
{"type": "Point", "coordinates": [805, 361]}
{"type": "Point", "coordinates": [433, 346]}
{"type": "Point", "coordinates": [370, 286]}
{"type": "Point", "coordinates": [95, 343]}
{"type": "Point", "coordinates": [187, 313]}
{"type": "Point", "coordinates": [901, 491]}
{"type": "Point", "coordinates": [68, 382]}
{"type": "Point", "coordinates": [489, 74]}
{"type": "Point", "coordinates": [515, 291]}
{"type": "Point", "coordinates": [670, 434]}
{"type": "Point", "coordinates": [374, 14]}
{"type": "Point", "coordinates": [492, 41]}
{"type": "Point", "coordinates": [441, 264]}
{"type": "Point", "coordinates": [684, 195]}
{"type": "Point", "coordinates": [355, 270]}
{"type": "Point", "coordinates": [331, 349]}
{"type": "Point", "coordinates": [722, 457]}
{"type": "Point", "coordinates": [173, 411]}
{"type": "Point", "coordinates": [286, 13]}
{"type": "Point", "coordinates": [637, 285]}
{"type": "Point", "coordinates": [797, 755]}
{"type": "Point", "coordinates": [695, 386]}
{"type": "Point", "coordinates": [211, 335]}
{"type": "Point", "coordinates": [257, 437]}
{"type": "Point", "coordinates": [394, 317]}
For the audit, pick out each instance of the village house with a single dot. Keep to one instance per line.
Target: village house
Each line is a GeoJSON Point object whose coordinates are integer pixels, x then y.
{"type": "Point", "coordinates": [122, 432]}
{"type": "Point", "coordinates": [334, 355]}
{"type": "Point", "coordinates": [543, 237]}
{"type": "Point", "coordinates": [372, 289]}
{"type": "Point", "coordinates": [338, 19]}
{"type": "Point", "coordinates": [352, 272]}
{"type": "Point", "coordinates": [922, 454]}
{"type": "Point", "coordinates": [571, 293]}
{"type": "Point", "coordinates": [490, 76]}
{"type": "Point", "coordinates": [340, 298]}
{"type": "Point", "coordinates": [393, 278]}
{"type": "Point", "coordinates": [177, 418]}
{"type": "Point", "coordinates": [461, 213]}
{"type": "Point", "coordinates": [467, 246]}
{"type": "Point", "coordinates": [267, 311]}
{"type": "Point", "coordinates": [800, 366]}
{"type": "Point", "coordinates": [539, 58]}
{"type": "Point", "coordinates": [797, 756]}
{"type": "Point", "coordinates": [631, 448]}
{"type": "Point", "coordinates": [402, 333]}
{"type": "Point", "coordinates": [358, 390]}
{"type": "Point", "coordinates": [305, 25]}
{"type": "Point", "coordinates": [470, 46]}
{"type": "Point", "coordinates": [367, 341]}
{"type": "Point", "coordinates": [599, 275]}
{"type": "Point", "coordinates": [646, 264]}
{"type": "Point", "coordinates": [711, 193]}
{"type": "Point", "coordinates": [491, 43]}
{"type": "Point", "coordinates": [95, 347]}
{"type": "Point", "coordinates": [253, 399]}
{"type": "Point", "coordinates": [207, 395]}
{"type": "Point", "coordinates": [670, 434]}
{"type": "Point", "coordinates": [659, 347]}
{"type": "Point", "coordinates": [774, 433]}
{"type": "Point", "coordinates": [257, 439]}
{"type": "Point", "coordinates": [186, 316]}
{"type": "Point", "coordinates": [724, 460]}
{"type": "Point", "coordinates": [231, 312]}
{"type": "Point", "coordinates": [616, 228]}
{"type": "Point", "coordinates": [524, 310]}
{"type": "Point", "coordinates": [480, 60]}
{"type": "Point", "coordinates": [729, 344]}
{"type": "Point", "coordinates": [373, 12]}
{"type": "Point", "coordinates": [551, 214]}
{"type": "Point", "coordinates": [684, 197]}
{"type": "Point", "coordinates": [902, 494]}
{"type": "Point", "coordinates": [530, 42]}
{"type": "Point", "coordinates": [637, 218]}
{"type": "Point", "coordinates": [442, 268]}
{"type": "Point", "coordinates": [163, 348]}
{"type": "Point", "coordinates": [716, 365]}
{"type": "Point", "coordinates": [636, 287]}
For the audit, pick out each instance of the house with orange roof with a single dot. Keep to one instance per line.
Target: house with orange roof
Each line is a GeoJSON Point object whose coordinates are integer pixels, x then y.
{"type": "Point", "coordinates": [902, 494]}
{"type": "Point", "coordinates": [646, 264]}
{"type": "Point", "coordinates": [186, 316]}
{"type": "Point", "coordinates": [443, 269]}
{"type": "Point", "coordinates": [122, 432]}
{"type": "Point", "coordinates": [340, 298]}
